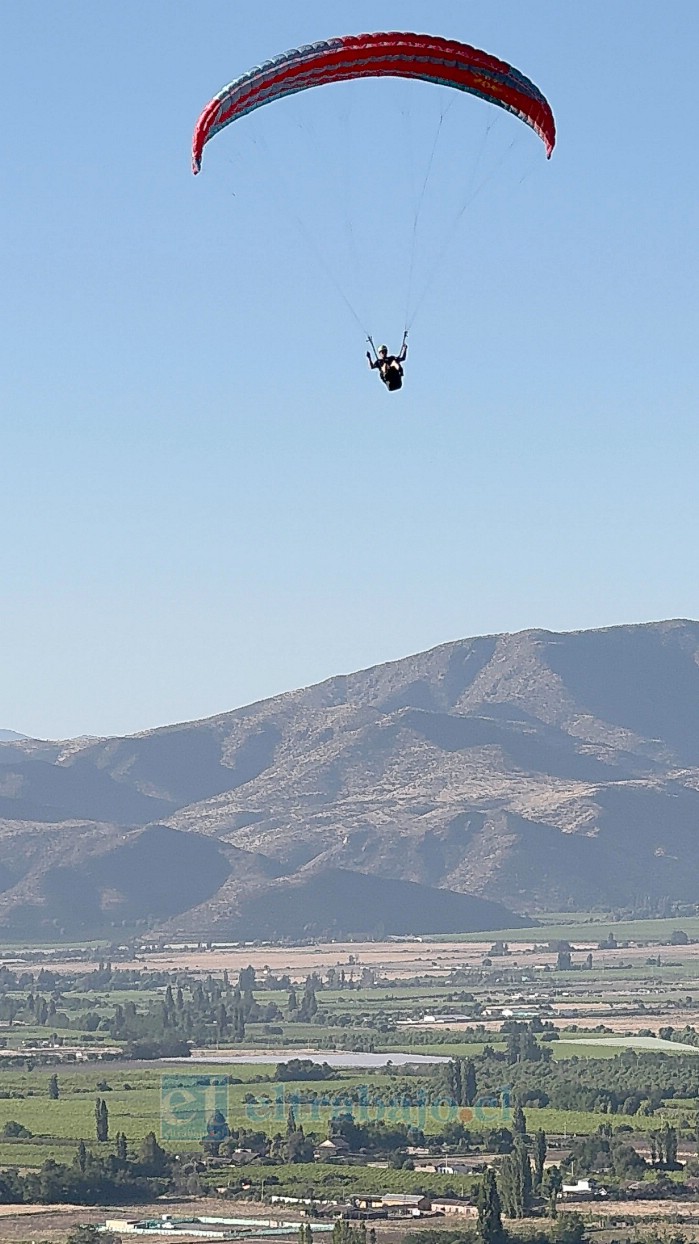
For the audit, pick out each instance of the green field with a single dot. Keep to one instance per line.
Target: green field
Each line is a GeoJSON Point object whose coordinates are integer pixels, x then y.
{"type": "Point", "coordinates": [590, 931]}
{"type": "Point", "coordinates": [362, 1018]}
{"type": "Point", "coordinates": [57, 1126]}
{"type": "Point", "coordinates": [326, 1180]}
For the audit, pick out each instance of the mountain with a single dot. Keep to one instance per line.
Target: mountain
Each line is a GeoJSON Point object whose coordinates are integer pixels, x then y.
{"type": "Point", "coordinates": [535, 770]}
{"type": "Point", "coordinates": [8, 736]}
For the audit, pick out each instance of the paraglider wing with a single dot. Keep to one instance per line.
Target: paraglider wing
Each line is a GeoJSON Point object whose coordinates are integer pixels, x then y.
{"type": "Point", "coordinates": [428, 57]}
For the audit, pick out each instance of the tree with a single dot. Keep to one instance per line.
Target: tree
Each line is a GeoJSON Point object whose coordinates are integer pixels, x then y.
{"type": "Point", "coordinates": [524, 1167]}
{"type": "Point", "coordinates": [12, 1188]}
{"type": "Point", "coordinates": [246, 978]}
{"type": "Point", "coordinates": [540, 1149]}
{"type": "Point", "coordinates": [222, 1022]}
{"type": "Point", "coordinates": [627, 1163]}
{"type": "Point", "coordinates": [461, 1081]}
{"type": "Point", "coordinates": [522, 1045]}
{"type": "Point", "coordinates": [194, 1185]}
{"type": "Point", "coordinates": [551, 1186]}
{"type": "Point", "coordinates": [515, 1181]}
{"type": "Point", "coordinates": [53, 1088]}
{"type": "Point", "coordinates": [309, 1005]}
{"type": "Point", "coordinates": [238, 1022]}
{"type": "Point", "coordinates": [670, 1139]}
{"type": "Point", "coordinates": [507, 1188]}
{"type": "Point", "coordinates": [454, 1079]}
{"type": "Point", "coordinates": [303, 1069]}
{"type": "Point", "coordinates": [101, 1119]}
{"type": "Point", "coordinates": [502, 1140]}
{"type": "Point", "coordinates": [569, 1229]}
{"type": "Point", "coordinates": [152, 1158]}
{"type": "Point", "coordinates": [217, 1130]}
{"type": "Point", "coordinates": [519, 1122]}
{"type": "Point", "coordinates": [489, 1210]}
{"type": "Point", "coordinates": [14, 1130]}
{"type": "Point", "coordinates": [92, 1235]}
{"type": "Point", "coordinates": [297, 1147]}
{"type": "Point", "coordinates": [343, 1125]}
{"type": "Point", "coordinates": [345, 1233]}
{"type": "Point", "coordinates": [663, 1147]}
{"type": "Point", "coordinates": [469, 1085]}
{"type": "Point", "coordinates": [81, 1157]}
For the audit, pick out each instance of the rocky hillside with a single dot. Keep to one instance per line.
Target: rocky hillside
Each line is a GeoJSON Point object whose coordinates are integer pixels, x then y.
{"type": "Point", "coordinates": [536, 770]}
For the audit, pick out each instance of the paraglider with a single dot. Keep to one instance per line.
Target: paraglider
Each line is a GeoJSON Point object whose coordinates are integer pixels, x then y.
{"type": "Point", "coordinates": [390, 366]}
{"type": "Point", "coordinates": [430, 58]}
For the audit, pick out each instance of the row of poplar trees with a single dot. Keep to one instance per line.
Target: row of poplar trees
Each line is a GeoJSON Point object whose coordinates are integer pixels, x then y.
{"type": "Point", "coordinates": [520, 1179]}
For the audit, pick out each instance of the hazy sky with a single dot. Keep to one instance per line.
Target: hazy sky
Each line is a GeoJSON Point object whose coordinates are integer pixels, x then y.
{"type": "Point", "coordinates": [206, 496]}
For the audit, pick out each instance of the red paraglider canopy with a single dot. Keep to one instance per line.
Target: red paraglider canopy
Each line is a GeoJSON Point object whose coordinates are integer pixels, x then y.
{"type": "Point", "coordinates": [427, 57]}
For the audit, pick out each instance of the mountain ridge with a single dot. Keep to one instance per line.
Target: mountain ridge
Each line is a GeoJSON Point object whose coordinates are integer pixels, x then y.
{"type": "Point", "coordinates": [534, 769]}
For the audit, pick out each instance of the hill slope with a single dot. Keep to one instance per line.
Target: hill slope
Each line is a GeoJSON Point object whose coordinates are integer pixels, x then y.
{"type": "Point", "coordinates": [535, 770]}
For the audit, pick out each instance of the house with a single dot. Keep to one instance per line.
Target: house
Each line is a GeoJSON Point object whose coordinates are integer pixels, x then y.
{"type": "Point", "coordinates": [583, 1190]}
{"type": "Point", "coordinates": [331, 1150]}
{"type": "Point", "coordinates": [241, 1157]}
{"type": "Point", "coordinates": [410, 1204]}
{"type": "Point", "coordinates": [351, 1210]}
{"type": "Point", "coordinates": [453, 1205]}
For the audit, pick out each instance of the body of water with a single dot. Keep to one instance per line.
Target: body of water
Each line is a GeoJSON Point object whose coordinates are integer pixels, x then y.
{"type": "Point", "coordinates": [334, 1058]}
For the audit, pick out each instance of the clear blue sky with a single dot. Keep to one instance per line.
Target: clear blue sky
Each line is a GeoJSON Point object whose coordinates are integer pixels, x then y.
{"type": "Point", "coordinates": [206, 496]}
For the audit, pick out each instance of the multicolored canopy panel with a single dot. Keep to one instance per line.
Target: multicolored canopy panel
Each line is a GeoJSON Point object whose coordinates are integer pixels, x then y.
{"type": "Point", "coordinates": [396, 55]}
